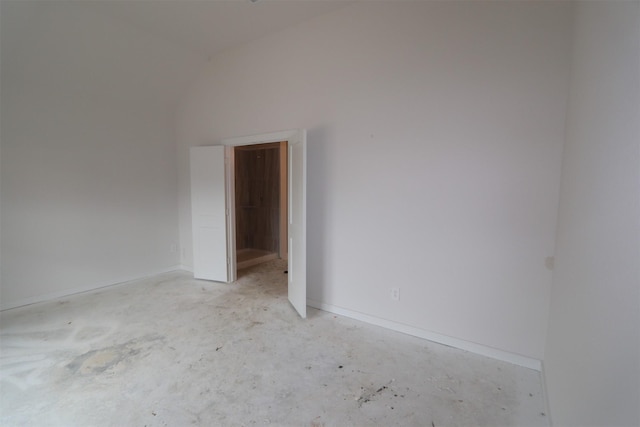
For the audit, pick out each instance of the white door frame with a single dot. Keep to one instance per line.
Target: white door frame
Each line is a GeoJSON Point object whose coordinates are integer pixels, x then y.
{"type": "Point", "coordinates": [264, 138]}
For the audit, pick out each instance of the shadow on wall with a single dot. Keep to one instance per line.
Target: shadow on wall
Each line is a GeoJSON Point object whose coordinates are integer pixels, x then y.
{"type": "Point", "coordinates": [317, 210]}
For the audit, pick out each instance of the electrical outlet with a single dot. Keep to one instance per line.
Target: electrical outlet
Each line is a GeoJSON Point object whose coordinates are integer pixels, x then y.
{"type": "Point", "coordinates": [395, 294]}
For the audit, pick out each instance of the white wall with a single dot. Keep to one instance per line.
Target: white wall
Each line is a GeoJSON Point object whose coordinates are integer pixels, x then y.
{"type": "Point", "coordinates": [435, 136]}
{"type": "Point", "coordinates": [592, 359]}
{"type": "Point", "coordinates": [89, 172]}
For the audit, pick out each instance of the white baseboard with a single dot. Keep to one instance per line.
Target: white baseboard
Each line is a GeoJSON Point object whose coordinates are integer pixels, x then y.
{"type": "Point", "coordinates": [472, 347]}
{"type": "Point", "coordinates": [545, 395]}
{"type": "Point", "coordinates": [95, 286]}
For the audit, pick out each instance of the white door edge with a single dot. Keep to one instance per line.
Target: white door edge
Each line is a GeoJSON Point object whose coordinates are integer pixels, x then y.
{"type": "Point", "coordinates": [231, 212]}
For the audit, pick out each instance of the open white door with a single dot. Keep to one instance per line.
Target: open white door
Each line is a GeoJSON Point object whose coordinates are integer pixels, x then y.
{"type": "Point", "coordinates": [209, 213]}
{"type": "Point", "coordinates": [298, 222]}
{"type": "Point", "coordinates": [212, 212]}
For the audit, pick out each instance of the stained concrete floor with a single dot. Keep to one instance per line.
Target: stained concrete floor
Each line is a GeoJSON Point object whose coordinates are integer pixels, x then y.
{"type": "Point", "coordinates": [174, 351]}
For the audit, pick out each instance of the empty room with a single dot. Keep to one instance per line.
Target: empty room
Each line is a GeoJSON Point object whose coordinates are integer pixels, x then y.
{"type": "Point", "coordinates": [442, 198]}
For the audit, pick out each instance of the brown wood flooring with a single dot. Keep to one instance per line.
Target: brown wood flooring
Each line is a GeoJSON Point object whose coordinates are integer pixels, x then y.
{"type": "Point", "coordinates": [248, 257]}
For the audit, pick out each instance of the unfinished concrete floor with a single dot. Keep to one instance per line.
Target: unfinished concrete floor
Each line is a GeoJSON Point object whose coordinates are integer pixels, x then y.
{"type": "Point", "coordinates": [174, 351]}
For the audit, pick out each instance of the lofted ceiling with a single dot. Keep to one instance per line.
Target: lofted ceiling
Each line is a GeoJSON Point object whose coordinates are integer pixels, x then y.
{"type": "Point", "coordinates": [209, 26]}
{"type": "Point", "coordinates": [132, 51]}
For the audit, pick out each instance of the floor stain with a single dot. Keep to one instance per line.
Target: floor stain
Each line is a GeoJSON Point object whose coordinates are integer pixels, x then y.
{"type": "Point", "coordinates": [98, 361]}
{"type": "Point", "coordinates": [369, 395]}
{"type": "Point", "coordinates": [171, 354]}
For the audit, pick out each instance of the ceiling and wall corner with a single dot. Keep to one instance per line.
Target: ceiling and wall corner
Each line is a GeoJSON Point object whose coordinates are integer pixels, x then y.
{"type": "Point", "coordinates": [210, 27]}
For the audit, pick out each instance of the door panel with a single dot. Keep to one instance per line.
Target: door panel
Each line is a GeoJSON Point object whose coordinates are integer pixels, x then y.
{"type": "Point", "coordinates": [209, 213]}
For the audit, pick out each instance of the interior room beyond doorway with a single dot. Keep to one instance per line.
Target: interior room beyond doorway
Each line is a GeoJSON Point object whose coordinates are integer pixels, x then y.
{"type": "Point", "coordinates": [260, 203]}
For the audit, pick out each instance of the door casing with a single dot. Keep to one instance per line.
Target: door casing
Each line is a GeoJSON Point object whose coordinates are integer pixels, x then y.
{"type": "Point", "coordinates": [230, 143]}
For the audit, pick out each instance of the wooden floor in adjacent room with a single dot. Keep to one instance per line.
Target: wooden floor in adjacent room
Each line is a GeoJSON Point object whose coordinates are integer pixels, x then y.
{"type": "Point", "coordinates": [250, 257]}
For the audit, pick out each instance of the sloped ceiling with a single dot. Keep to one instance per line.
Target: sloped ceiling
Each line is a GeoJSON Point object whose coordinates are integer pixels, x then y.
{"type": "Point", "coordinates": [212, 25]}
{"type": "Point", "coordinates": [132, 51]}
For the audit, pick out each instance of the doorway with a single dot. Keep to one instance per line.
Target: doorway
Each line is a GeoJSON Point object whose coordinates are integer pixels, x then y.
{"type": "Point", "coordinates": [260, 175]}
{"type": "Point", "coordinates": [213, 210]}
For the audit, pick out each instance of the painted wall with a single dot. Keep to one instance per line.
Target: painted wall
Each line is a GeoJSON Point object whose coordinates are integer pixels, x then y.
{"type": "Point", "coordinates": [592, 359]}
{"type": "Point", "coordinates": [89, 172]}
{"type": "Point", "coordinates": [435, 136]}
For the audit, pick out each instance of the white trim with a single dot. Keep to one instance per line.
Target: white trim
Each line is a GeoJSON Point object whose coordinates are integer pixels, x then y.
{"type": "Point", "coordinates": [472, 347]}
{"type": "Point", "coordinates": [545, 395]}
{"type": "Point", "coordinates": [82, 289]}
{"type": "Point", "coordinates": [262, 138]}
{"type": "Point", "coordinates": [185, 268]}
{"type": "Point", "coordinates": [494, 353]}
{"type": "Point", "coordinates": [230, 204]}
